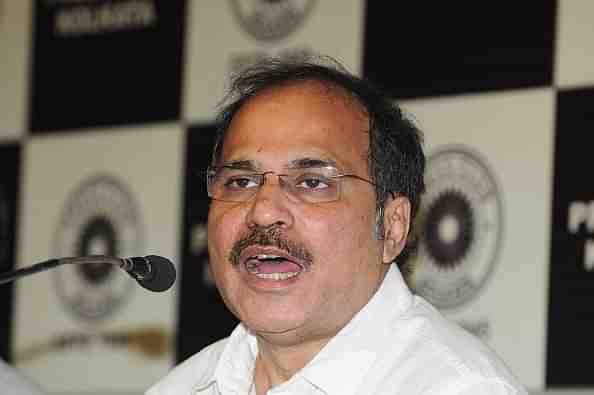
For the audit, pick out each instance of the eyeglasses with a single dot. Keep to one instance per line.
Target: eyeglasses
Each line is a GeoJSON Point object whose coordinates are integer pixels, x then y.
{"type": "Point", "coordinates": [306, 185]}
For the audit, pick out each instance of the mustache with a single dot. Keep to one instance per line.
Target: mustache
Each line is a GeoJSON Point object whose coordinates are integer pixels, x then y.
{"type": "Point", "coordinates": [270, 237]}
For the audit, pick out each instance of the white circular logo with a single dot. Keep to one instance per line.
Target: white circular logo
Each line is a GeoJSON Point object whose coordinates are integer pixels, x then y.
{"type": "Point", "coordinates": [271, 20]}
{"type": "Point", "coordinates": [460, 224]}
{"type": "Point", "coordinates": [100, 218]}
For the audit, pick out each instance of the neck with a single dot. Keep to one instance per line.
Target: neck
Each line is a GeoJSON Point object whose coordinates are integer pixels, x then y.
{"type": "Point", "coordinates": [276, 363]}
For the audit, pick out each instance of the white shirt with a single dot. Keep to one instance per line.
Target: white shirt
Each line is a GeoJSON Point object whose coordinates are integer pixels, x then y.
{"type": "Point", "coordinates": [397, 344]}
{"type": "Point", "coordinates": [13, 382]}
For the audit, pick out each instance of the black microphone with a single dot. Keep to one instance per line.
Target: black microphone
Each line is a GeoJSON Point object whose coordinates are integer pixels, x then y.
{"type": "Point", "coordinates": [152, 272]}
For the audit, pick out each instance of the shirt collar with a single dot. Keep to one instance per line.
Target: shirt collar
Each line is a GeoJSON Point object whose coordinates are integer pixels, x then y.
{"type": "Point", "coordinates": [234, 370]}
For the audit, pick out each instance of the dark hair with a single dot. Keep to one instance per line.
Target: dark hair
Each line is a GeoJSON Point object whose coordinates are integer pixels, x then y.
{"type": "Point", "coordinates": [396, 159]}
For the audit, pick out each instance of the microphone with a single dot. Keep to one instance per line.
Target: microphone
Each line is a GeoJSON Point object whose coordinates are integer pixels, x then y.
{"type": "Point", "coordinates": [152, 272]}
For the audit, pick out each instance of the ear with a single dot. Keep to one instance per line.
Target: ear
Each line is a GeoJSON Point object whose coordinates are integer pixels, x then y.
{"type": "Point", "coordinates": [396, 226]}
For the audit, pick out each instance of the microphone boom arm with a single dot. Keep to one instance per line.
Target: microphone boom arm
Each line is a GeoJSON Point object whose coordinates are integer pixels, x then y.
{"type": "Point", "coordinates": [152, 272]}
{"type": "Point", "coordinates": [38, 267]}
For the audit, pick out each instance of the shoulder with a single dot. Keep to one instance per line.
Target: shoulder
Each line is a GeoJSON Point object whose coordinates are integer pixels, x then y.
{"type": "Point", "coordinates": [195, 371]}
{"type": "Point", "coordinates": [449, 356]}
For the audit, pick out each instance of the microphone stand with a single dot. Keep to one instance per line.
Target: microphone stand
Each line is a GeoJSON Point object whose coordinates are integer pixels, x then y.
{"type": "Point", "coordinates": [51, 263]}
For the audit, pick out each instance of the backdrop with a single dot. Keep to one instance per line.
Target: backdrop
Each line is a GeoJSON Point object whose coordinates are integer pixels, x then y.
{"type": "Point", "coordinates": [106, 121]}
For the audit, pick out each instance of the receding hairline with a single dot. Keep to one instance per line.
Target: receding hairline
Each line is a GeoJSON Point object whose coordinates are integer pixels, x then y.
{"type": "Point", "coordinates": [331, 89]}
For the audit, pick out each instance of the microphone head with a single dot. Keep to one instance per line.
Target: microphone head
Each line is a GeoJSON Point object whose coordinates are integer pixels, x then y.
{"type": "Point", "coordinates": [163, 274]}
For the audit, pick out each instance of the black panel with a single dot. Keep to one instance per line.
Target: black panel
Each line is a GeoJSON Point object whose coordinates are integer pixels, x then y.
{"type": "Point", "coordinates": [203, 318]}
{"type": "Point", "coordinates": [571, 295]}
{"type": "Point", "coordinates": [106, 62]}
{"type": "Point", "coordinates": [9, 173]}
{"type": "Point", "coordinates": [418, 49]}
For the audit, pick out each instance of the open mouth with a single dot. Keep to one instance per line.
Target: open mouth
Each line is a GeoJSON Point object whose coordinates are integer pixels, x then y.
{"type": "Point", "coordinates": [272, 266]}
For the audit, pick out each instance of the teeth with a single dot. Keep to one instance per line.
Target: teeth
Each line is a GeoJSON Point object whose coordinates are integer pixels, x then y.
{"type": "Point", "coordinates": [263, 256]}
{"type": "Point", "coordinates": [276, 276]}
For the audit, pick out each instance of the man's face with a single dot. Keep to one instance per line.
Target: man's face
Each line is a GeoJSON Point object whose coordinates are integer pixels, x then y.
{"type": "Point", "coordinates": [329, 249]}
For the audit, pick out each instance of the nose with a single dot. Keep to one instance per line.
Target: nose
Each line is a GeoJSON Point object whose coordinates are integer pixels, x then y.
{"type": "Point", "coordinates": [270, 206]}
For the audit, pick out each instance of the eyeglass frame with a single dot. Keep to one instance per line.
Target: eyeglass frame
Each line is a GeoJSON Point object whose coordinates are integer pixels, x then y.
{"type": "Point", "coordinates": [213, 170]}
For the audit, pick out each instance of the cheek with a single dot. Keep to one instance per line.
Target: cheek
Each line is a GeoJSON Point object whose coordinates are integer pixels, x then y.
{"type": "Point", "coordinates": [222, 230]}
{"type": "Point", "coordinates": [222, 233]}
{"type": "Point", "coordinates": [342, 233]}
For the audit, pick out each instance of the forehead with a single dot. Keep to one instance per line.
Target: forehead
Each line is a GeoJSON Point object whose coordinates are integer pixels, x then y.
{"type": "Point", "coordinates": [301, 120]}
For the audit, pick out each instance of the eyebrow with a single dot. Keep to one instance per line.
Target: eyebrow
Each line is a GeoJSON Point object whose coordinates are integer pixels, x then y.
{"type": "Point", "coordinates": [305, 163]}
{"type": "Point", "coordinates": [241, 165]}
{"type": "Point", "coordinates": [301, 163]}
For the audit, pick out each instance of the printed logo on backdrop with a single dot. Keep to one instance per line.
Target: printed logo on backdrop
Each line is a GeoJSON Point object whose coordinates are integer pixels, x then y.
{"type": "Point", "coordinates": [271, 20]}
{"type": "Point", "coordinates": [580, 225]}
{"type": "Point", "coordinates": [571, 295]}
{"type": "Point", "coordinates": [460, 222]}
{"type": "Point", "coordinates": [100, 217]}
{"type": "Point", "coordinates": [83, 17]}
{"type": "Point", "coordinates": [266, 21]}
{"type": "Point", "coordinates": [81, 38]}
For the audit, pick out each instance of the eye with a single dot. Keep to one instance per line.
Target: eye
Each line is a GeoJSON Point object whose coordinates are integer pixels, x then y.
{"type": "Point", "coordinates": [241, 182]}
{"type": "Point", "coordinates": [311, 181]}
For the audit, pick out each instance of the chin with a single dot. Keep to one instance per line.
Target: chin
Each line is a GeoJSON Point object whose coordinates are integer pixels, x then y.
{"type": "Point", "coordinates": [272, 325]}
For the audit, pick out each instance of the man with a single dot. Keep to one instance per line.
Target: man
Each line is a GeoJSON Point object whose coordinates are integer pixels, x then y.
{"type": "Point", "coordinates": [315, 180]}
